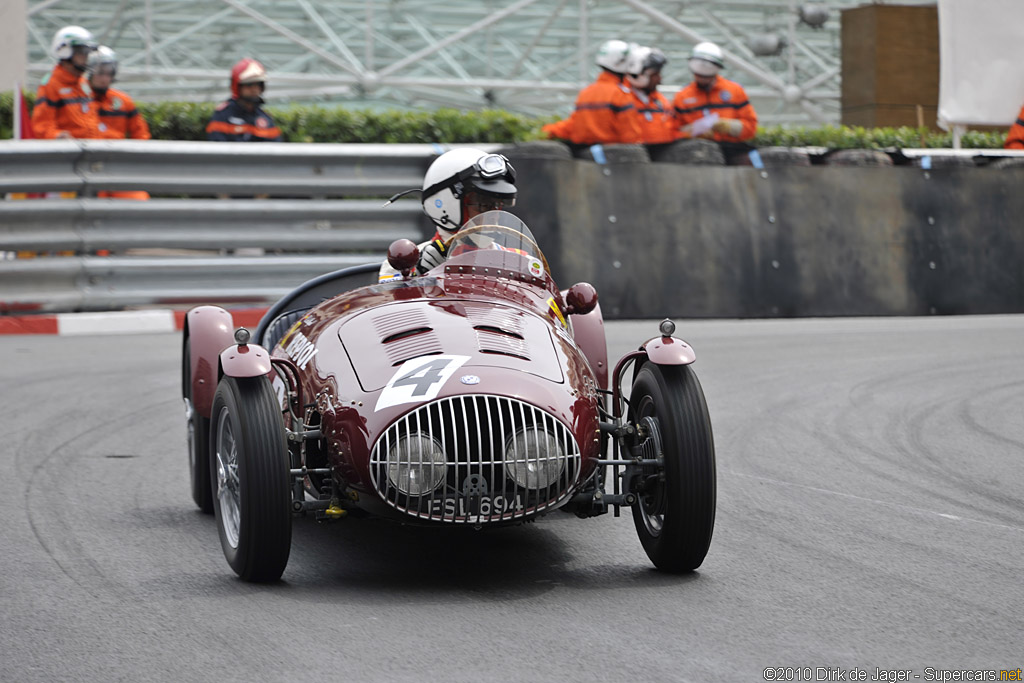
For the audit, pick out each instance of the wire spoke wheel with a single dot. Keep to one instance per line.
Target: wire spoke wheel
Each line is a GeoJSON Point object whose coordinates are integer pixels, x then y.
{"type": "Point", "coordinates": [229, 494]}
{"type": "Point", "coordinates": [674, 514]}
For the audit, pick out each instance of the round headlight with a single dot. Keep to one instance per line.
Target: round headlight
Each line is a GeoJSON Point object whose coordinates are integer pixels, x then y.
{"type": "Point", "coordinates": [533, 459]}
{"type": "Point", "coordinates": [416, 464]}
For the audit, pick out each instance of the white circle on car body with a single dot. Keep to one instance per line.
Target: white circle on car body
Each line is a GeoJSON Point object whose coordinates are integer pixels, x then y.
{"type": "Point", "coordinates": [469, 379]}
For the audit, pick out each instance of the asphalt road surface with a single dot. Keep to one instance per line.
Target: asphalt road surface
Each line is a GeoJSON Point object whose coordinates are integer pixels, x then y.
{"type": "Point", "coordinates": [870, 518]}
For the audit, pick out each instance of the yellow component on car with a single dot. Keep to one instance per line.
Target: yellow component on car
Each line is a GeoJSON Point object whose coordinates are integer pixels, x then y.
{"type": "Point", "coordinates": [335, 512]}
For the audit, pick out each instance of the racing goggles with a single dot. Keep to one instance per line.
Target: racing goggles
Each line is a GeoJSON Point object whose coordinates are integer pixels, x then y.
{"type": "Point", "coordinates": [494, 166]}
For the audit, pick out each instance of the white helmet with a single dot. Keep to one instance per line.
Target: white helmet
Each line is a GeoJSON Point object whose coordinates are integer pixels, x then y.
{"type": "Point", "coordinates": [614, 55]}
{"type": "Point", "coordinates": [635, 60]}
{"type": "Point", "coordinates": [103, 56]}
{"type": "Point", "coordinates": [641, 62]}
{"type": "Point", "coordinates": [706, 59]}
{"type": "Point", "coordinates": [457, 172]}
{"type": "Point", "coordinates": [67, 39]}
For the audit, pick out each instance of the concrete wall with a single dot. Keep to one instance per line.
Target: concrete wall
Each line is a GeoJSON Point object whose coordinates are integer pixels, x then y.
{"type": "Point", "coordinates": [13, 66]}
{"type": "Point", "coordinates": [688, 241]}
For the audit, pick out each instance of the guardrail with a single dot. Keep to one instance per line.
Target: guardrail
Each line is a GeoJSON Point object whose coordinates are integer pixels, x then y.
{"type": "Point", "coordinates": [202, 168]}
{"type": "Point", "coordinates": [94, 283]}
{"type": "Point", "coordinates": [320, 208]}
{"type": "Point", "coordinates": [293, 225]}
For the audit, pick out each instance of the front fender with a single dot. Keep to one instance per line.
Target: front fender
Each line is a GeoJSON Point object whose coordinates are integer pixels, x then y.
{"type": "Point", "coordinates": [244, 360]}
{"type": "Point", "coordinates": [660, 351]}
{"type": "Point", "coordinates": [668, 351]}
{"type": "Point", "coordinates": [210, 330]}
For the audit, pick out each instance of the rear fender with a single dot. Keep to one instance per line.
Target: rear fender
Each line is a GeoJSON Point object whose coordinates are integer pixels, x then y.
{"type": "Point", "coordinates": [588, 331]}
{"type": "Point", "coordinates": [210, 330]}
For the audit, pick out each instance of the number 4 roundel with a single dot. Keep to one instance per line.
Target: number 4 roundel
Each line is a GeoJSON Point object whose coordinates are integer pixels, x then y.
{"type": "Point", "coordinates": [419, 380]}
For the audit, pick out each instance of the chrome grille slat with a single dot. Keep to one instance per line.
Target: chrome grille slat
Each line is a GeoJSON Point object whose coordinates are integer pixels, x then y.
{"type": "Point", "coordinates": [471, 430]}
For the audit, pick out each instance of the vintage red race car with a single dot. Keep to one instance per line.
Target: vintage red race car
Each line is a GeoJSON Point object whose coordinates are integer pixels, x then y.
{"type": "Point", "coordinates": [477, 394]}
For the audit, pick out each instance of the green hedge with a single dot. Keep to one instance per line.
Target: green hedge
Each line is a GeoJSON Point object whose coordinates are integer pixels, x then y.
{"type": "Point", "coordinates": [187, 121]}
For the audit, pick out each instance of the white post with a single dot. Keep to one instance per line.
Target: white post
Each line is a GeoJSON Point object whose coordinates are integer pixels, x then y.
{"type": "Point", "coordinates": [16, 133]}
{"type": "Point", "coordinates": [958, 130]}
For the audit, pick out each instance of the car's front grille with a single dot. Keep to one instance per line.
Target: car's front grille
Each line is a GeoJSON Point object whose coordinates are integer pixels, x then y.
{"type": "Point", "coordinates": [474, 485]}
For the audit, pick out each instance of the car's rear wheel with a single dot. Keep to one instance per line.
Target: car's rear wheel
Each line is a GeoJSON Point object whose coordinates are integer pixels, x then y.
{"type": "Point", "coordinates": [198, 439]}
{"type": "Point", "coordinates": [249, 468]}
{"type": "Point", "coordinates": [675, 510]}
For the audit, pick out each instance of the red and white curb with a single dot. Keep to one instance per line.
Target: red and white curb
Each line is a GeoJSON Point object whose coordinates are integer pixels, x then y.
{"type": "Point", "coordinates": [114, 322]}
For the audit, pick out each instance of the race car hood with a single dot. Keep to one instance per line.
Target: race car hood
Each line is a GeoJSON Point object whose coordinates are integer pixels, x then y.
{"type": "Point", "coordinates": [492, 335]}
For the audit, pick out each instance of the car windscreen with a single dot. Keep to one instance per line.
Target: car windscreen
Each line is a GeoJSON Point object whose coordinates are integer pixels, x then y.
{"type": "Point", "coordinates": [498, 239]}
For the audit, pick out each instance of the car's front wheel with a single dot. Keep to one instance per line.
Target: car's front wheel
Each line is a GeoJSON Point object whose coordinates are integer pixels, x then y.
{"type": "Point", "coordinates": [674, 513]}
{"type": "Point", "coordinates": [249, 470]}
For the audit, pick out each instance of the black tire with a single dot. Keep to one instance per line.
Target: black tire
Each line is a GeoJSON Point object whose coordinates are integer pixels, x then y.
{"type": "Point", "coordinates": [1008, 162]}
{"type": "Point", "coordinates": [537, 149]}
{"type": "Point", "coordinates": [249, 468]}
{"type": "Point", "coordinates": [778, 157]}
{"type": "Point", "coordinates": [675, 518]}
{"type": "Point", "coordinates": [198, 439]}
{"type": "Point", "coordinates": [617, 154]}
{"type": "Point", "coordinates": [692, 152]}
{"type": "Point", "coordinates": [858, 157]}
{"type": "Point", "coordinates": [947, 161]}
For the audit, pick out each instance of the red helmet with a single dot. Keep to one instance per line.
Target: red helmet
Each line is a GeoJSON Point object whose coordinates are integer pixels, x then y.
{"type": "Point", "coordinates": [246, 71]}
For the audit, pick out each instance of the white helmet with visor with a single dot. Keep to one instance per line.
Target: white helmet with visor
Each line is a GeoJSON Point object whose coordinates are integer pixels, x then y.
{"type": "Point", "coordinates": [68, 40]}
{"type": "Point", "coordinates": [459, 172]}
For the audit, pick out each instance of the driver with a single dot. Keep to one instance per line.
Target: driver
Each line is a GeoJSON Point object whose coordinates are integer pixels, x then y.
{"type": "Point", "coordinates": [460, 184]}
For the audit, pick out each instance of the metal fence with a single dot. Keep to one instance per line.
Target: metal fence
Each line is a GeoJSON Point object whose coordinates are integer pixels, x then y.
{"type": "Point", "coordinates": [305, 209]}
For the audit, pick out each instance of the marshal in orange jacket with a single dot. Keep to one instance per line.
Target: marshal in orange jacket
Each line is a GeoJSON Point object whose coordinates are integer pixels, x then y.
{"type": "Point", "coordinates": [117, 111]}
{"type": "Point", "coordinates": [1015, 139]}
{"type": "Point", "coordinates": [64, 105]}
{"type": "Point", "coordinates": [655, 117]}
{"type": "Point", "coordinates": [725, 98]}
{"type": "Point", "coordinates": [604, 114]}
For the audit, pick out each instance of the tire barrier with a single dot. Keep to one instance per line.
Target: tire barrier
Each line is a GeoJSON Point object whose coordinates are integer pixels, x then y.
{"type": "Point", "coordinates": [695, 152]}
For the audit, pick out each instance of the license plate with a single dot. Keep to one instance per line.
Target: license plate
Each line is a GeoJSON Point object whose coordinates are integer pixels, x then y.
{"type": "Point", "coordinates": [482, 506]}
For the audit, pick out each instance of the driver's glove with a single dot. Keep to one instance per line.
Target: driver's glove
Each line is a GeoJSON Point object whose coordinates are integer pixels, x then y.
{"type": "Point", "coordinates": [432, 256]}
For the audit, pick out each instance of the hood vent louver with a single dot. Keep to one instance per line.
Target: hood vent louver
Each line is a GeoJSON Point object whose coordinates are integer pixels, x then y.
{"type": "Point", "coordinates": [405, 333]}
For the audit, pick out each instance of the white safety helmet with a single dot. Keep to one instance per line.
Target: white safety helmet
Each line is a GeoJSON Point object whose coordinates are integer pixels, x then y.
{"type": "Point", "coordinates": [103, 59]}
{"type": "Point", "coordinates": [459, 171]}
{"type": "Point", "coordinates": [642, 63]}
{"type": "Point", "coordinates": [706, 59]}
{"type": "Point", "coordinates": [635, 61]}
{"type": "Point", "coordinates": [67, 39]}
{"type": "Point", "coordinates": [614, 55]}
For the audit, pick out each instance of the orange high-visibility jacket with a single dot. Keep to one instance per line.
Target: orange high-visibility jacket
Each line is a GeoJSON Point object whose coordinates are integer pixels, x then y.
{"type": "Point", "coordinates": [655, 117]}
{"type": "Point", "coordinates": [604, 114]}
{"type": "Point", "coordinates": [64, 104]}
{"type": "Point", "coordinates": [117, 110]}
{"type": "Point", "coordinates": [1015, 139]}
{"type": "Point", "coordinates": [726, 98]}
